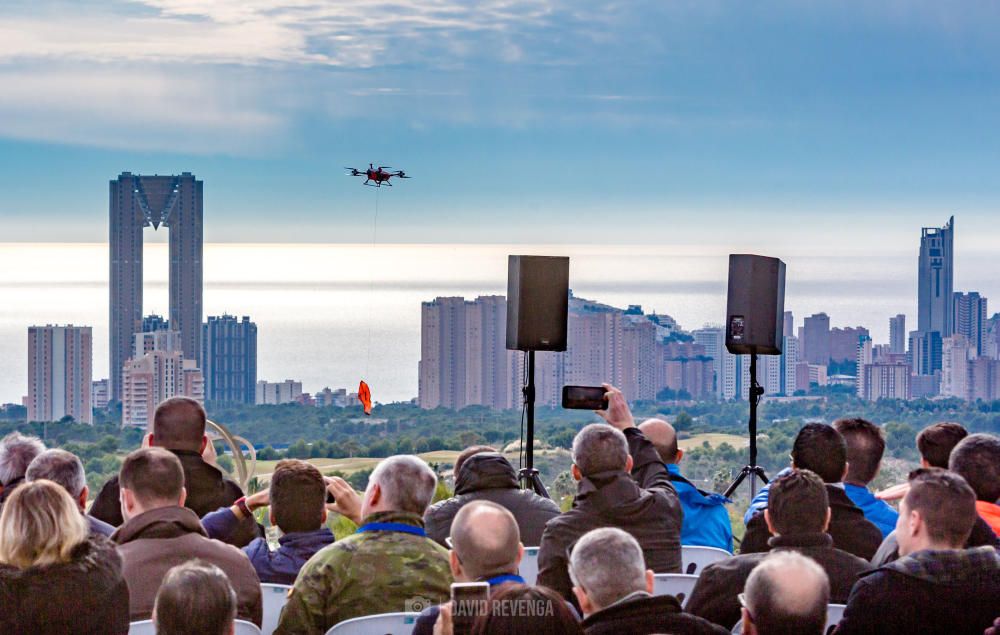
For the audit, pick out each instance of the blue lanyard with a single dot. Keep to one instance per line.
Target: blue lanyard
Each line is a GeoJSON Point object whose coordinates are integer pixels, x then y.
{"type": "Point", "coordinates": [406, 529]}
{"type": "Point", "coordinates": [500, 579]}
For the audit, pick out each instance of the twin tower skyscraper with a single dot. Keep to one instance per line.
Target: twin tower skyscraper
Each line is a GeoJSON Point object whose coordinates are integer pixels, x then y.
{"type": "Point", "coordinates": [137, 202]}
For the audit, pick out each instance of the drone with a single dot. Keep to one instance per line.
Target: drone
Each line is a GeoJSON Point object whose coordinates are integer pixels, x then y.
{"type": "Point", "coordinates": [379, 175]}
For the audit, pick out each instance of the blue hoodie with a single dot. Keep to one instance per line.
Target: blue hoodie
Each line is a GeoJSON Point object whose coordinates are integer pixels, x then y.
{"type": "Point", "coordinates": [706, 520]}
{"type": "Point", "coordinates": [878, 512]}
{"type": "Point", "coordinates": [275, 567]}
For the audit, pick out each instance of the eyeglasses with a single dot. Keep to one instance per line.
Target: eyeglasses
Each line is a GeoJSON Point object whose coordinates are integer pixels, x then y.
{"type": "Point", "coordinates": [743, 602]}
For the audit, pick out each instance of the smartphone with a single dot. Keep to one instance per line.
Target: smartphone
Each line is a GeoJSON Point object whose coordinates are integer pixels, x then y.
{"type": "Point", "coordinates": [584, 398]}
{"type": "Point", "coordinates": [469, 600]}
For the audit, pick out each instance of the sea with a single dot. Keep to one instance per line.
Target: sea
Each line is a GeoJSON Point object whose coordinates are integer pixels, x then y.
{"type": "Point", "coordinates": [330, 315]}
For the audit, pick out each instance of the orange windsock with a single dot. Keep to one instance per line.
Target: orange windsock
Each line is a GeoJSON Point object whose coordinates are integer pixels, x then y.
{"type": "Point", "coordinates": [365, 397]}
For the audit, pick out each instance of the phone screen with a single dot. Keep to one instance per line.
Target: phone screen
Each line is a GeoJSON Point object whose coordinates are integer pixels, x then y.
{"type": "Point", "coordinates": [583, 397]}
{"type": "Point", "coordinates": [469, 600]}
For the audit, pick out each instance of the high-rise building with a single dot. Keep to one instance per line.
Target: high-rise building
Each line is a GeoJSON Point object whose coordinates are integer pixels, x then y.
{"type": "Point", "coordinates": [60, 366]}
{"type": "Point", "coordinates": [955, 354]}
{"type": "Point", "coordinates": [686, 368]}
{"type": "Point", "coordinates": [844, 342]}
{"type": "Point", "coordinates": [279, 392]}
{"type": "Point", "coordinates": [153, 322]}
{"type": "Point", "coordinates": [984, 379]}
{"type": "Point", "coordinates": [229, 359]}
{"type": "Point", "coordinates": [886, 381]}
{"type": "Point", "coordinates": [713, 339]}
{"type": "Point", "coordinates": [153, 377]}
{"type": "Point", "coordinates": [897, 334]}
{"type": "Point", "coordinates": [925, 352]}
{"type": "Point", "coordinates": [864, 358]}
{"type": "Point", "coordinates": [789, 358]}
{"type": "Point", "coordinates": [148, 341]}
{"type": "Point", "coordinates": [970, 320]}
{"type": "Point", "coordinates": [788, 324]}
{"type": "Point", "coordinates": [142, 201]}
{"type": "Point", "coordinates": [99, 394]}
{"type": "Point", "coordinates": [935, 293]}
{"type": "Point", "coordinates": [816, 339]}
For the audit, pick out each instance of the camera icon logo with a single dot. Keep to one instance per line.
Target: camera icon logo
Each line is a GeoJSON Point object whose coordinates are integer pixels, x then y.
{"type": "Point", "coordinates": [417, 604]}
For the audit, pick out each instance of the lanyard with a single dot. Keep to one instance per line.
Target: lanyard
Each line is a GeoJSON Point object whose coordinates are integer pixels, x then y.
{"type": "Point", "coordinates": [500, 579]}
{"type": "Point", "coordinates": [402, 527]}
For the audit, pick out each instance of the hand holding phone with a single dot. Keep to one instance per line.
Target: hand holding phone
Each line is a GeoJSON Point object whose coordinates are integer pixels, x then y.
{"type": "Point", "coordinates": [584, 398]}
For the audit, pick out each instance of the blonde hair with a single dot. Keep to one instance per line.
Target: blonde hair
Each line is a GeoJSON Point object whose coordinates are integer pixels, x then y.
{"type": "Point", "coordinates": [40, 525]}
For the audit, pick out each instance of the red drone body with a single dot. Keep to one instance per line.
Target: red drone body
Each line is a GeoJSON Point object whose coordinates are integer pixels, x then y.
{"type": "Point", "coordinates": [375, 177]}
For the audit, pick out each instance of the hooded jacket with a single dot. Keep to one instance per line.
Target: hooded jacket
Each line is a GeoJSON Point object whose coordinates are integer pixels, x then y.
{"type": "Point", "coordinates": [85, 595]}
{"type": "Point", "coordinates": [207, 490]}
{"type": "Point", "coordinates": [850, 530]}
{"type": "Point", "coordinates": [153, 542]}
{"type": "Point", "coordinates": [489, 476]}
{"type": "Point", "coordinates": [982, 535]}
{"type": "Point", "coordinates": [648, 614]}
{"type": "Point", "coordinates": [714, 595]}
{"type": "Point", "coordinates": [706, 519]}
{"type": "Point", "coordinates": [644, 504]}
{"type": "Point", "coordinates": [927, 592]}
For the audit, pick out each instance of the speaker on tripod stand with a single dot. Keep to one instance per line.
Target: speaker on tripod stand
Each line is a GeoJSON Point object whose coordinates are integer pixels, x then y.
{"type": "Point", "coordinates": [537, 311]}
{"type": "Point", "coordinates": [755, 309]}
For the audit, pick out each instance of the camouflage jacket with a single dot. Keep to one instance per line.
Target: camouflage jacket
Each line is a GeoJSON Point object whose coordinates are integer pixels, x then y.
{"type": "Point", "coordinates": [365, 574]}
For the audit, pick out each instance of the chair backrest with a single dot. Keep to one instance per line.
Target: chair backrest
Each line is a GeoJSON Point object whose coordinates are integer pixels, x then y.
{"type": "Point", "coordinates": [678, 585]}
{"type": "Point", "coordinates": [695, 559]}
{"type": "Point", "coordinates": [274, 596]}
{"type": "Point", "coordinates": [382, 624]}
{"type": "Point", "coordinates": [529, 565]}
{"type": "Point", "coordinates": [834, 613]}
{"type": "Point", "coordinates": [147, 627]}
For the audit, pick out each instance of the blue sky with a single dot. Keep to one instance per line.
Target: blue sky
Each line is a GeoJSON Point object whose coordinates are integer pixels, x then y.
{"type": "Point", "coordinates": [521, 121]}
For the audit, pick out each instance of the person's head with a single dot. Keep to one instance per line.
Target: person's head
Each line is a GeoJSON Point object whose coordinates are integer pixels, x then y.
{"type": "Point", "coordinates": [599, 448]}
{"type": "Point", "coordinates": [935, 443]}
{"type": "Point", "coordinates": [179, 424]}
{"type": "Point", "coordinates": [195, 598]}
{"type": "Point", "coordinates": [485, 542]}
{"type": "Point", "coordinates": [150, 478]}
{"type": "Point", "coordinates": [466, 453]}
{"type": "Point", "coordinates": [40, 525]}
{"type": "Point", "coordinates": [664, 438]}
{"type": "Point", "coordinates": [516, 609]}
{"type": "Point", "coordinates": [797, 504]}
{"type": "Point", "coordinates": [865, 446]}
{"type": "Point", "coordinates": [786, 594]}
{"type": "Point", "coordinates": [976, 458]}
{"type": "Point", "coordinates": [64, 468]}
{"type": "Point", "coordinates": [17, 451]}
{"type": "Point", "coordinates": [298, 496]}
{"type": "Point", "coordinates": [401, 483]}
{"type": "Point", "coordinates": [820, 448]}
{"type": "Point", "coordinates": [606, 565]}
{"type": "Point", "coordinates": [937, 513]}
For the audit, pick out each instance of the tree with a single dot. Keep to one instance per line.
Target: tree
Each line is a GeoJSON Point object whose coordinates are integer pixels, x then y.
{"type": "Point", "coordinates": [683, 421]}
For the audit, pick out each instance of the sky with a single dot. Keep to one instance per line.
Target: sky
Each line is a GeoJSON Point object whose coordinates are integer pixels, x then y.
{"type": "Point", "coordinates": [832, 125]}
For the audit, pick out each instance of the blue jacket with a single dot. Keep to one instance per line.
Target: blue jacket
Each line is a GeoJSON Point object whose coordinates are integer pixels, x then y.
{"type": "Point", "coordinates": [274, 567]}
{"type": "Point", "coordinates": [759, 502]}
{"type": "Point", "coordinates": [878, 512]}
{"type": "Point", "coordinates": [706, 520]}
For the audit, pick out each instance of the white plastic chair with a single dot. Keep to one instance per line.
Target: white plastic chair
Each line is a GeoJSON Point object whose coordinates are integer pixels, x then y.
{"type": "Point", "coordinates": [274, 596]}
{"type": "Point", "coordinates": [834, 613]}
{"type": "Point", "coordinates": [678, 585]}
{"type": "Point", "coordinates": [382, 624]}
{"type": "Point", "coordinates": [695, 559]}
{"type": "Point", "coordinates": [529, 566]}
{"type": "Point", "coordinates": [147, 627]}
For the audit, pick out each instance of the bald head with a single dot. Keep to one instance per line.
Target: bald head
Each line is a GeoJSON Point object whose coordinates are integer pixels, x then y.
{"type": "Point", "coordinates": [179, 424]}
{"type": "Point", "coordinates": [663, 437]}
{"type": "Point", "coordinates": [787, 594]}
{"type": "Point", "coordinates": [486, 539]}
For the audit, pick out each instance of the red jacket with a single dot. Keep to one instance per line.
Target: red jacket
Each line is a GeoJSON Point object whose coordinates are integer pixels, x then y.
{"type": "Point", "coordinates": [990, 513]}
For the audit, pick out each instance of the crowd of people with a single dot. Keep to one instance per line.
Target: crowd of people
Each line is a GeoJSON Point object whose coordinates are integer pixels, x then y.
{"type": "Point", "coordinates": [172, 540]}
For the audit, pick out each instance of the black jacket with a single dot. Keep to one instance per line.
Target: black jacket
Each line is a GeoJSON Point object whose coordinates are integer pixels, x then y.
{"type": "Point", "coordinates": [86, 595]}
{"type": "Point", "coordinates": [927, 593]}
{"type": "Point", "coordinates": [644, 505]}
{"type": "Point", "coordinates": [207, 490]}
{"type": "Point", "coordinates": [714, 596]}
{"type": "Point", "coordinates": [491, 477]}
{"type": "Point", "coordinates": [646, 615]}
{"type": "Point", "coordinates": [850, 530]}
{"type": "Point", "coordinates": [982, 535]}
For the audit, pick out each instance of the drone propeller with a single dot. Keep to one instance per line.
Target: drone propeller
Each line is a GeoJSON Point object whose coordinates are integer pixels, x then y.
{"type": "Point", "coordinates": [401, 175]}
{"type": "Point", "coordinates": [385, 167]}
{"type": "Point", "coordinates": [353, 171]}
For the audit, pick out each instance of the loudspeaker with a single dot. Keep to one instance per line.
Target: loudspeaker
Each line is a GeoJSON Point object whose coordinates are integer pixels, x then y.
{"type": "Point", "coordinates": [537, 302]}
{"type": "Point", "coordinates": [756, 305]}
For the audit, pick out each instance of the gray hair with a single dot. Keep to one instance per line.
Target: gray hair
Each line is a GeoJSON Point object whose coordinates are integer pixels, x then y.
{"type": "Point", "coordinates": [61, 467]}
{"type": "Point", "coordinates": [599, 448]}
{"type": "Point", "coordinates": [16, 453]}
{"type": "Point", "coordinates": [608, 564]}
{"type": "Point", "coordinates": [787, 594]}
{"type": "Point", "coordinates": [407, 482]}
